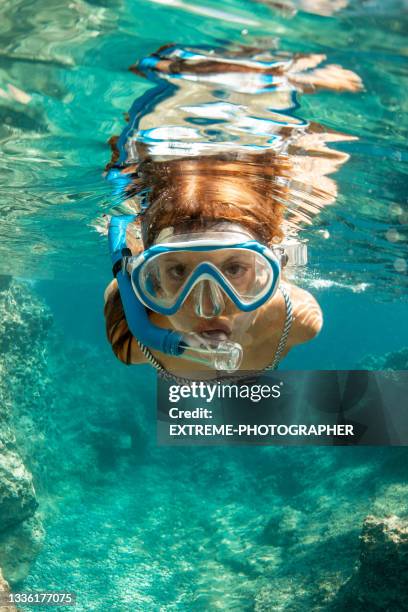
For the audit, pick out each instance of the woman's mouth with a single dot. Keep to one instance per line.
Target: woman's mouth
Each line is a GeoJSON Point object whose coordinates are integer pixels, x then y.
{"type": "Point", "coordinates": [217, 332]}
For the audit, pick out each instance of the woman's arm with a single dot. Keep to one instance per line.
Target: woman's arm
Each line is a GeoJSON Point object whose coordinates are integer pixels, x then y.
{"type": "Point", "coordinates": [123, 342]}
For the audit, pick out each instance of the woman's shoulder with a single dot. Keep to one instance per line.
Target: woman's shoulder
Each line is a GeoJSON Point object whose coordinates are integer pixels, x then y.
{"type": "Point", "coordinates": [307, 315]}
{"type": "Point", "coordinates": [307, 318]}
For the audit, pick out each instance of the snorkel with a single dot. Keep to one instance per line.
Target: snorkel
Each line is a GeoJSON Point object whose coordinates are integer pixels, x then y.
{"type": "Point", "coordinates": [219, 355]}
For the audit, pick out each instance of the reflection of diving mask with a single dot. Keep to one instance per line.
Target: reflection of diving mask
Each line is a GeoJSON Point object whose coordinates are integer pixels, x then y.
{"type": "Point", "coordinates": [209, 267]}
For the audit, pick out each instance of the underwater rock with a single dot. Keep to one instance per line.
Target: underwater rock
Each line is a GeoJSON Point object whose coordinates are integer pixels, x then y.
{"type": "Point", "coordinates": [4, 591]}
{"type": "Point", "coordinates": [282, 529]}
{"type": "Point", "coordinates": [19, 546]}
{"type": "Point", "coordinates": [17, 495]}
{"type": "Point", "coordinates": [24, 321]}
{"type": "Point", "coordinates": [379, 582]}
{"type": "Point", "coordinates": [396, 360]}
{"type": "Point", "coordinates": [24, 325]}
{"type": "Point", "coordinates": [17, 504]}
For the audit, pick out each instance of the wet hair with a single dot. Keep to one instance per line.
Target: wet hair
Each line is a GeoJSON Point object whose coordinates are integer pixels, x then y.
{"type": "Point", "coordinates": [202, 66]}
{"type": "Point", "coordinates": [192, 194]}
{"type": "Point", "coordinates": [117, 330]}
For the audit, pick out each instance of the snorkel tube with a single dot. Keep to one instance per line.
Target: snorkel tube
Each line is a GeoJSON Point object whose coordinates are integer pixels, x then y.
{"type": "Point", "coordinates": [219, 355]}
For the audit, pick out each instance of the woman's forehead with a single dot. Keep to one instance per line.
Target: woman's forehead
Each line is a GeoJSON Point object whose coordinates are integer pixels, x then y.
{"type": "Point", "coordinates": [219, 230]}
{"type": "Point", "coordinates": [193, 257]}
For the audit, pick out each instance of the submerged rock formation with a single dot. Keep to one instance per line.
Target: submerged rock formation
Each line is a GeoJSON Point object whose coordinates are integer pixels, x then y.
{"type": "Point", "coordinates": [17, 496]}
{"type": "Point", "coordinates": [19, 546]}
{"type": "Point", "coordinates": [24, 322]}
{"type": "Point", "coordinates": [380, 580]}
{"type": "Point", "coordinates": [396, 360]}
{"type": "Point", "coordinates": [4, 591]}
{"type": "Point", "coordinates": [50, 411]}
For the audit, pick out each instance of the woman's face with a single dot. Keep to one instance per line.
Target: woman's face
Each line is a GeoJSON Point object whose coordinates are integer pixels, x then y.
{"type": "Point", "coordinates": [207, 308]}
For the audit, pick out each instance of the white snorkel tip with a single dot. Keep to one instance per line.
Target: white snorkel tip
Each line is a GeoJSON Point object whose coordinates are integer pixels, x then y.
{"type": "Point", "coordinates": [217, 353]}
{"type": "Point", "coordinates": [228, 356]}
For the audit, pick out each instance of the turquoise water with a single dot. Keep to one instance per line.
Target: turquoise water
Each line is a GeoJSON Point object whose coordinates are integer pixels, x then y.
{"type": "Point", "coordinates": [129, 526]}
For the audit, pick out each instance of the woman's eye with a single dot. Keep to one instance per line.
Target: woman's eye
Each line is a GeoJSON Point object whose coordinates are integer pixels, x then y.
{"type": "Point", "coordinates": [176, 272]}
{"type": "Point", "coordinates": [235, 269]}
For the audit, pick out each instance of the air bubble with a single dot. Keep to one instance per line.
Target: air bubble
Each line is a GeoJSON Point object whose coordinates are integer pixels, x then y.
{"type": "Point", "coordinates": [400, 265]}
{"type": "Point", "coordinates": [396, 209]}
{"type": "Point", "coordinates": [392, 235]}
{"type": "Point", "coordinates": [324, 233]}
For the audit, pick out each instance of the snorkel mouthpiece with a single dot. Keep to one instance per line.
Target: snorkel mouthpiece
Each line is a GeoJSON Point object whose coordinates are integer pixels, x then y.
{"type": "Point", "coordinates": [220, 355]}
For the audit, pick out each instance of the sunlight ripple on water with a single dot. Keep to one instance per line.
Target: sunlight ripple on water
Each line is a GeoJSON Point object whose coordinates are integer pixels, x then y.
{"type": "Point", "coordinates": [64, 86]}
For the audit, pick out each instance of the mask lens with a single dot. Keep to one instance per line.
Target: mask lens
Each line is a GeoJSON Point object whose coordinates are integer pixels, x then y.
{"type": "Point", "coordinates": [163, 277]}
{"type": "Point", "coordinates": [167, 276]}
{"type": "Point", "coordinates": [248, 273]}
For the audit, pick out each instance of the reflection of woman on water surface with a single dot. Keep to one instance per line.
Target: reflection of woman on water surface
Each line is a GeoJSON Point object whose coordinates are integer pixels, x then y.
{"type": "Point", "coordinates": [222, 172]}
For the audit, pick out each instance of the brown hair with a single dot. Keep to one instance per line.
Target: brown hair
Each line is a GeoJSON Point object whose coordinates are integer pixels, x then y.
{"type": "Point", "coordinates": [195, 193]}
{"type": "Point", "coordinates": [203, 66]}
{"type": "Point", "coordinates": [117, 331]}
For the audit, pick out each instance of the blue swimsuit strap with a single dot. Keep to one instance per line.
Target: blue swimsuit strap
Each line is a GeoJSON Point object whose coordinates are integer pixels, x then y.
{"type": "Point", "coordinates": [165, 374]}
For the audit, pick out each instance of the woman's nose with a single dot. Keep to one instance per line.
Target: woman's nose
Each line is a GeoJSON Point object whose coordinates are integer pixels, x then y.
{"type": "Point", "coordinates": [208, 299]}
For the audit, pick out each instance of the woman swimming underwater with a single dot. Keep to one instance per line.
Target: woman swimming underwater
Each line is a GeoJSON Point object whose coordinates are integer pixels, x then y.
{"type": "Point", "coordinates": [213, 172]}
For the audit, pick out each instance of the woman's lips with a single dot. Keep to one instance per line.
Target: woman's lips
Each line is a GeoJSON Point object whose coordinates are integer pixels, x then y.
{"type": "Point", "coordinates": [214, 334]}
{"type": "Point", "coordinates": [217, 331]}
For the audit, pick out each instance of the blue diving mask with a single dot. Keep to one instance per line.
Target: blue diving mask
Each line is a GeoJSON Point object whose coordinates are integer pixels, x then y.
{"type": "Point", "coordinates": [206, 268]}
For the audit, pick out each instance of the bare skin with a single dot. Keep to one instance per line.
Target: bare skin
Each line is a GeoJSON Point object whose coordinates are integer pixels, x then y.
{"type": "Point", "coordinates": [261, 339]}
